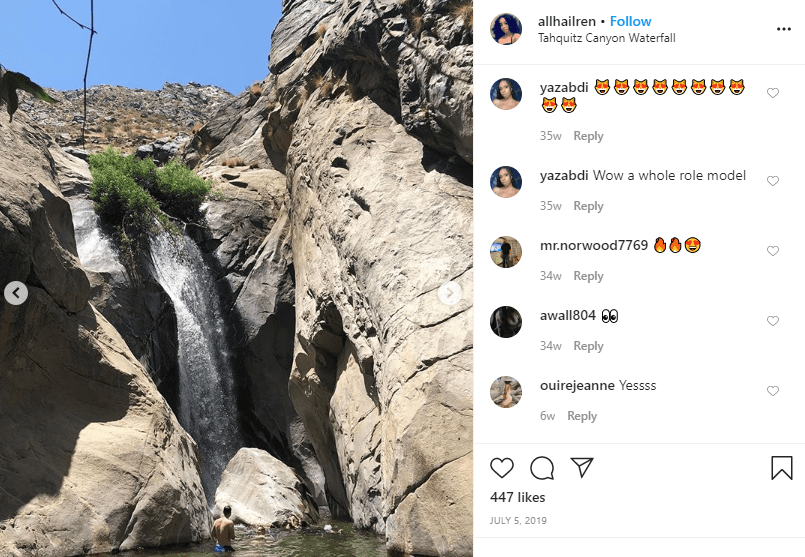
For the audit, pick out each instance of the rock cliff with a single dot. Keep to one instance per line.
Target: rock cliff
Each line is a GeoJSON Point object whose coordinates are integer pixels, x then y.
{"type": "Point", "coordinates": [344, 201]}
{"type": "Point", "coordinates": [125, 118]}
{"type": "Point", "coordinates": [368, 114]}
{"type": "Point", "coordinates": [93, 458]}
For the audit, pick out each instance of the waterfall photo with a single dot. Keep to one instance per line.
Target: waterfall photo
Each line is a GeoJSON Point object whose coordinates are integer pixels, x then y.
{"type": "Point", "coordinates": [249, 267]}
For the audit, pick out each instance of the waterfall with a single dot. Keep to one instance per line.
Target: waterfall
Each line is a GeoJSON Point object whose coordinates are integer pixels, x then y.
{"type": "Point", "coordinates": [93, 245]}
{"type": "Point", "coordinates": [207, 404]}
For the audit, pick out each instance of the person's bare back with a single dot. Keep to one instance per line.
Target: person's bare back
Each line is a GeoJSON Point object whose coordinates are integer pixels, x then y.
{"type": "Point", "coordinates": [223, 530]}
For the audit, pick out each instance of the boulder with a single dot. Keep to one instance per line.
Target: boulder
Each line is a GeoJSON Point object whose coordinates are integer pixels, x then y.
{"type": "Point", "coordinates": [263, 491]}
{"type": "Point", "coordinates": [144, 151]}
{"type": "Point", "coordinates": [92, 459]}
{"type": "Point", "coordinates": [79, 153]}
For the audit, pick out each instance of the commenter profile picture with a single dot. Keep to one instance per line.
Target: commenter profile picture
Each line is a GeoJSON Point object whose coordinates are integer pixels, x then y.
{"type": "Point", "coordinates": [505, 252]}
{"type": "Point", "coordinates": [506, 391]}
{"type": "Point", "coordinates": [505, 93]}
{"type": "Point", "coordinates": [506, 181]}
{"type": "Point", "coordinates": [506, 322]}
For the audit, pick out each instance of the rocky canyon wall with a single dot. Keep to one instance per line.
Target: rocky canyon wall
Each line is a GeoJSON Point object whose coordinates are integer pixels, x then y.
{"type": "Point", "coordinates": [93, 458]}
{"type": "Point", "coordinates": [368, 113]}
{"type": "Point", "coordinates": [344, 201]}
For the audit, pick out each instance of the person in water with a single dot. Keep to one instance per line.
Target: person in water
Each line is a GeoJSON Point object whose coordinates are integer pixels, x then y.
{"type": "Point", "coordinates": [223, 531]}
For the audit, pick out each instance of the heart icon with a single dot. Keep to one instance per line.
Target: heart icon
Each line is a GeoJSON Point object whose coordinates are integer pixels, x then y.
{"type": "Point", "coordinates": [773, 390]}
{"type": "Point", "coordinates": [772, 319]}
{"type": "Point", "coordinates": [502, 466]}
{"type": "Point", "coordinates": [773, 180]}
{"type": "Point", "coordinates": [773, 91]}
{"type": "Point", "coordinates": [772, 250]}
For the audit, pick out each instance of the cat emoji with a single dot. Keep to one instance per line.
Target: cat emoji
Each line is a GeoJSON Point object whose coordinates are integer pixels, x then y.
{"type": "Point", "coordinates": [602, 87]}
{"type": "Point", "coordinates": [717, 87]}
{"type": "Point", "coordinates": [737, 87]}
{"type": "Point", "coordinates": [698, 87]}
{"type": "Point", "coordinates": [640, 87]}
{"type": "Point", "coordinates": [621, 87]}
{"type": "Point", "coordinates": [568, 105]}
{"type": "Point", "coordinates": [660, 87]}
{"type": "Point", "coordinates": [548, 105]}
{"type": "Point", "coordinates": [679, 87]}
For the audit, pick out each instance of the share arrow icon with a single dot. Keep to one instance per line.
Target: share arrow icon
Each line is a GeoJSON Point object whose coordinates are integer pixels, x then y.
{"type": "Point", "coordinates": [583, 464]}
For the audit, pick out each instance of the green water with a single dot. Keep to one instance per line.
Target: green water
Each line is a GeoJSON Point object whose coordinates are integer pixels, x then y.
{"type": "Point", "coordinates": [311, 542]}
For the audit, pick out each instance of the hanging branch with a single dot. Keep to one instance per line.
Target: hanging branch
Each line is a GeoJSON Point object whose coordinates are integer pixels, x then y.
{"type": "Point", "coordinates": [71, 19]}
{"type": "Point", "coordinates": [92, 32]}
{"type": "Point", "coordinates": [86, 69]}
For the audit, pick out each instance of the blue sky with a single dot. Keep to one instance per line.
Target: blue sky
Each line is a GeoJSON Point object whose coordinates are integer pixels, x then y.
{"type": "Point", "coordinates": [140, 44]}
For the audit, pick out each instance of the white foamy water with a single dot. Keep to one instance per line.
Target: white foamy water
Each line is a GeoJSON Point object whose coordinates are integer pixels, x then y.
{"type": "Point", "coordinates": [95, 248]}
{"type": "Point", "coordinates": [207, 402]}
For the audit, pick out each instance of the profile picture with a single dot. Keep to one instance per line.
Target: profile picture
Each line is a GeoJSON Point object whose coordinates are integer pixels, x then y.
{"type": "Point", "coordinates": [505, 181]}
{"type": "Point", "coordinates": [506, 29]}
{"type": "Point", "coordinates": [506, 252]}
{"type": "Point", "coordinates": [506, 391]}
{"type": "Point", "coordinates": [505, 322]}
{"type": "Point", "coordinates": [505, 93]}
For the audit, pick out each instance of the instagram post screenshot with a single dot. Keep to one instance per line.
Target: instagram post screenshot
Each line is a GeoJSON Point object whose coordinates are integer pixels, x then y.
{"type": "Point", "coordinates": [253, 303]}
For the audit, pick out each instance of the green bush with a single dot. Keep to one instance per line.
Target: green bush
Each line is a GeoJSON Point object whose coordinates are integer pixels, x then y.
{"type": "Point", "coordinates": [136, 197]}
{"type": "Point", "coordinates": [179, 191]}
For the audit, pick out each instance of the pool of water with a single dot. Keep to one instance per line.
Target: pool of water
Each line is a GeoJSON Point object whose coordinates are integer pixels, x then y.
{"type": "Point", "coordinates": [310, 542]}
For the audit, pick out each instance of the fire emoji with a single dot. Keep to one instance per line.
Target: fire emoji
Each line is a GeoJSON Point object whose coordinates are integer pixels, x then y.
{"type": "Point", "coordinates": [676, 245]}
{"type": "Point", "coordinates": [692, 245]}
{"type": "Point", "coordinates": [659, 245]}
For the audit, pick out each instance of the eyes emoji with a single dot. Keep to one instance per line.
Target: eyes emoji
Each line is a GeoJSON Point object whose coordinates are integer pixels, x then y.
{"type": "Point", "coordinates": [609, 316]}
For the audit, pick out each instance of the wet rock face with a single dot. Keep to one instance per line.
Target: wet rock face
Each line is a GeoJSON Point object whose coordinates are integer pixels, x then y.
{"type": "Point", "coordinates": [93, 458]}
{"type": "Point", "coordinates": [132, 300]}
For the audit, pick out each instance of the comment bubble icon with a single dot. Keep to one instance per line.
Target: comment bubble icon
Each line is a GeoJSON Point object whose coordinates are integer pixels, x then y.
{"type": "Point", "coordinates": [542, 468]}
